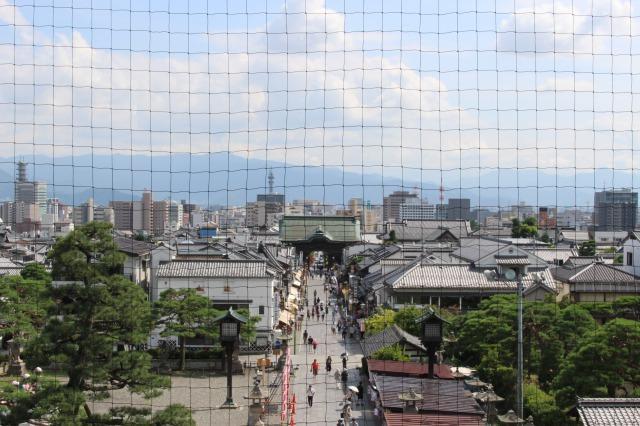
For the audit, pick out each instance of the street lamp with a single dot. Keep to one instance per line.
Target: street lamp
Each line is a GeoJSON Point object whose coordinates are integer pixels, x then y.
{"type": "Point", "coordinates": [230, 324]}
{"type": "Point", "coordinates": [431, 335]}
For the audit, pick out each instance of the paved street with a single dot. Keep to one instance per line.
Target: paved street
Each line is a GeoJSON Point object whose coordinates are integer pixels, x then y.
{"type": "Point", "coordinates": [204, 393]}
{"type": "Point", "coordinates": [327, 403]}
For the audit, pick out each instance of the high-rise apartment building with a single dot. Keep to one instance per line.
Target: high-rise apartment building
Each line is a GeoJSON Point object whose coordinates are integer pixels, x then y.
{"type": "Point", "coordinates": [459, 208]}
{"type": "Point", "coordinates": [392, 202]}
{"type": "Point", "coordinates": [615, 210]}
{"type": "Point", "coordinates": [30, 192]}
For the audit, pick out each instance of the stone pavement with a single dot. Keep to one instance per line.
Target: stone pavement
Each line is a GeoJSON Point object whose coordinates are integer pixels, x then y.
{"type": "Point", "coordinates": [204, 393]}
{"type": "Point", "coordinates": [327, 403]}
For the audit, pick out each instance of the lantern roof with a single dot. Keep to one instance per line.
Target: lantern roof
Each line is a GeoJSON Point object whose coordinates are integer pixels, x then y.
{"type": "Point", "coordinates": [430, 314]}
{"type": "Point", "coordinates": [231, 315]}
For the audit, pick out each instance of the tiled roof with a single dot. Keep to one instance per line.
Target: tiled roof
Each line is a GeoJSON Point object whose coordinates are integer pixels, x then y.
{"type": "Point", "coordinates": [579, 261]}
{"type": "Point", "coordinates": [576, 236]}
{"type": "Point", "coordinates": [373, 256]}
{"type": "Point", "coordinates": [131, 246]}
{"type": "Point", "coordinates": [432, 419]}
{"type": "Point", "coordinates": [336, 228]}
{"type": "Point", "coordinates": [213, 269]}
{"type": "Point", "coordinates": [438, 396]}
{"type": "Point", "coordinates": [8, 268]}
{"type": "Point", "coordinates": [408, 368]}
{"type": "Point", "coordinates": [552, 255]}
{"type": "Point", "coordinates": [512, 260]}
{"type": "Point", "coordinates": [388, 337]}
{"type": "Point", "coordinates": [428, 230]}
{"type": "Point", "coordinates": [461, 277]}
{"type": "Point", "coordinates": [609, 411]}
{"type": "Point", "coordinates": [473, 249]}
{"type": "Point", "coordinates": [601, 273]}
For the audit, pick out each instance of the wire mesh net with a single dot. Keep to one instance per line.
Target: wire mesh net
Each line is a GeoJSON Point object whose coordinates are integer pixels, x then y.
{"type": "Point", "coordinates": [327, 174]}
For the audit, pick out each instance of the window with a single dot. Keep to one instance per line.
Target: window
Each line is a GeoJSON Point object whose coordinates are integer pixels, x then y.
{"type": "Point", "coordinates": [629, 258]}
{"type": "Point", "coordinates": [261, 309]}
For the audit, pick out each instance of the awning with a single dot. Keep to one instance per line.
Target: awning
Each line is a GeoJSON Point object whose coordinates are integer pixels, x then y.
{"type": "Point", "coordinates": [285, 317]}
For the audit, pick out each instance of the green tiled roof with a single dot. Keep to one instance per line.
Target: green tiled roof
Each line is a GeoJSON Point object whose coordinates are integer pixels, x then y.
{"type": "Point", "coordinates": [334, 228]}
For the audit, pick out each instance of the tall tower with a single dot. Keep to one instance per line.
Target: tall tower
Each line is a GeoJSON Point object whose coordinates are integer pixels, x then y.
{"type": "Point", "coordinates": [271, 180]}
{"type": "Point", "coordinates": [22, 172]}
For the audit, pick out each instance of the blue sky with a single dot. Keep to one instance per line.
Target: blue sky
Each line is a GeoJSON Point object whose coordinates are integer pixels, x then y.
{"type": "Point", "coordinates": [406, 88]}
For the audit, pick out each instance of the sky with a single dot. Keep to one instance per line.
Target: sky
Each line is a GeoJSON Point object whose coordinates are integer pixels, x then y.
{"type": "Point", "coordinates": [420, 90]}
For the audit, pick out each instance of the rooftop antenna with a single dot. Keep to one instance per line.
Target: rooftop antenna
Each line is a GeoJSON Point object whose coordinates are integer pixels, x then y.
{"type": "Point", "coordinates": [271, 180]}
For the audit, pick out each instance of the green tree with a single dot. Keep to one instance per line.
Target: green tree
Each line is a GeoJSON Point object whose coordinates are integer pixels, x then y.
{"type": "Point", "coordinates": [542, 407]}
{"type": "Point", "coordinates": [96, 311]}
{"type": "Point", "coordinates": [406, 318]}
{"type": "Point", "coordinates": [23, 307]}
{"type": "Point", "coordinates": [587, 248]}
{"type": "Point", "coordinates": [392, 236]}
{"type": "Point", "coordinates": [185, 314]}
{"type": "Point", "coordinates": [248, 330]}
{"type": "Point", "coordinates": [379, 321]}
{"type": "Point", "coordinates": [488, 336]}
{"type": "Point", "coordinates": [526, 229]}
{"type": "Point", "coordinates": [604, 360]}
{"type": "Point", "coordinates": [627, 307]}
{"type": "Point", "coordinates": [515, 228]}
{"type": "Point", "coordinates": [391, 353]}
{"type": "Point", "coordinates": [35, 271]}
{"type": "Point", "coordinates": [545, 238]}
{"type": "Point", "coordinates": [474, 225]}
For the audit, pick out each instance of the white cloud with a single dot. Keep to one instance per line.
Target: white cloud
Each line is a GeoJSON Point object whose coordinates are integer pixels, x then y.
{"type": "Point", "coordinates": [315, 87]}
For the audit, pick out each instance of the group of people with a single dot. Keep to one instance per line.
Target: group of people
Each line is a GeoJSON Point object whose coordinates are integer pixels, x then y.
{"type": "Point", "coordinates": [345, 325]}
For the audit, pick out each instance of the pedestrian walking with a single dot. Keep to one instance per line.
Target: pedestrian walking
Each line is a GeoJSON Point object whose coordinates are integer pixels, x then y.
{"type": "Point", "coordinates": [308, 314]}
{"type": "Point", "coordinates": [333, 330]}
{"type": "Point", "coordinates": [322, 316]}
{"type": "Point", "coordinates": [315, 367]}
{"type": "Point", "coordinates": [304, 336]}
{"type": "Point", "coordinates": [310, 341]}
{"type": "Point", "coordinates": [315, 345]}
{"type": "Point", "coordinates": [336, 376]}
{"type": "Point", "coordinates": [344, 334]}
{"type": "Point", "coordinates": [344, 376]}
{"type": "Point", "coordinates": [346, 412]}
{"type": "Point", "coordinates": [360, 394]}
{"type": "Point", "coordinates": [344, 362]}
{"type": "Point", "coordinates": [310, 393]}
{"type": "Point", "coordinates": [328, 363]}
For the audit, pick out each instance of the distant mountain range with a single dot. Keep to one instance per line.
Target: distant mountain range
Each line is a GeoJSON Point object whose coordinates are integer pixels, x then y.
{"type": "Point", "coordinates": [228, 179]}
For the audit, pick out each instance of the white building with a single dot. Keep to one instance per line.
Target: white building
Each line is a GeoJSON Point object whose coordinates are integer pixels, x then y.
{"type": "Point", "coordinates": [417, 211]}
{"type": "Point", "coordinates": [137, 265]}
{"type": "Point", "coordinates": [175, 215]}
{"type": "Point", "coordinates": [247, 284]}
{"type": "Point", "coordinates": [631, 254]}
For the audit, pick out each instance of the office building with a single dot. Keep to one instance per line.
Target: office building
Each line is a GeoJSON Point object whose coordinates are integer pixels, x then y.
{"type": "Point", "coordinates": [417, 210]}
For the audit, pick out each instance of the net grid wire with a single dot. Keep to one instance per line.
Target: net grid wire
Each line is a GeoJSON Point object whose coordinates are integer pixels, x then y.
{"type": "Point", "coordinates": [133, 108]}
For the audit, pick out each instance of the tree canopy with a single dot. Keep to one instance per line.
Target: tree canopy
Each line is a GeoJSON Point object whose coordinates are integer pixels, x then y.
{"type": "Point", "coordinates": [185, 314]}
{"type": "Point", "coordinates": [588, 248]}
{"type": "Point", "coordinates": [566, 352]}
{"type": "Point", "coordinates": [93, 326]}
{"type": "Point", "coordinates": [391, 353]}
{"type": "Point", "coordinates": [526, 229]}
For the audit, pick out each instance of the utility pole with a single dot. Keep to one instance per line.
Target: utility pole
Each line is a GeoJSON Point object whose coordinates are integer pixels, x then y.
{"type": "Point", "coordinates": [519, 390]}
